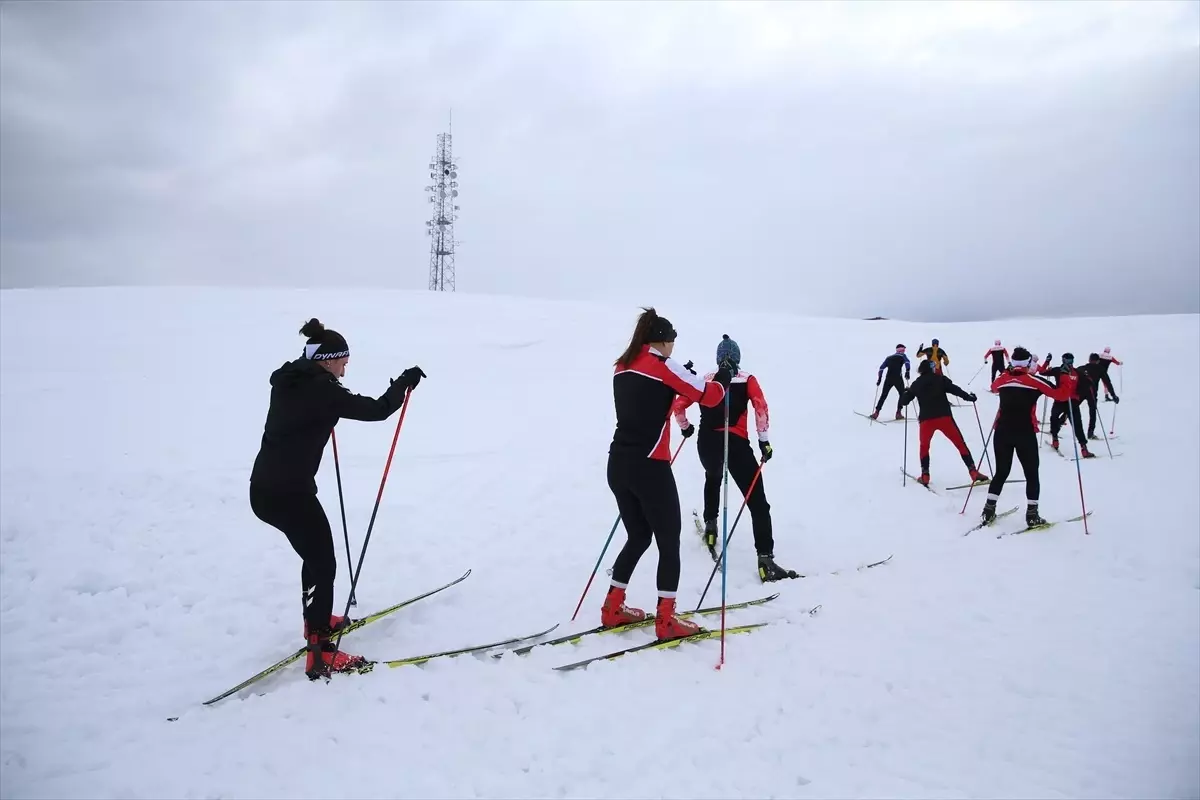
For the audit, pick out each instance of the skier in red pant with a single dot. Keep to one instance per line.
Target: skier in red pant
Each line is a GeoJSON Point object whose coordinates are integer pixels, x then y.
{"type": "Point", "coordinates": [930, 389]}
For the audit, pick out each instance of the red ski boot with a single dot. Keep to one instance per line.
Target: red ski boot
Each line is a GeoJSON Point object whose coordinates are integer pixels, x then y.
{"type": "Point", "coordinates": [978, 477]}
{"type": "Point", "coordinates": [614, 612]}
{"type": "Point", "coordinates": [669, 626]}
{"type": "Point", "coordinates": [321, 660]}
{"type": "Point", "coordinates": [336, 623]}
{"type": "Point", "coordinates": [924, 479]}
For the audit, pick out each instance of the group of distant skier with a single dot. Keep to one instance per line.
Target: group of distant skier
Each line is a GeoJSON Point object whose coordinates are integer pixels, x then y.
{"type": "Point", "coordinates": [650, 387]}
{"type": "Point", "coordinates": [1019, 383]}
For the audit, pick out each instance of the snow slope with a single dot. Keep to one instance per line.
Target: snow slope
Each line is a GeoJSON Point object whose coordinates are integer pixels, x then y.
{"type": "Point", "coordinates": [135, 582]}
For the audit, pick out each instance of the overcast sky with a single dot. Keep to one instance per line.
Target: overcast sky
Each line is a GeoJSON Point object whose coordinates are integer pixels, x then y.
{"type": "Point", "coordinates": [921, 160]}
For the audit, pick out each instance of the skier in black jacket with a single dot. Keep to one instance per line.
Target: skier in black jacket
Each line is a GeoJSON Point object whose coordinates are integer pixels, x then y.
{"type": "Point", "coordinates": [1092, 371]}
{"type": "Point", "coordinates": [1082, 386]}
{"type": "Point", "coordinates": [930, 389]}
{"type": "Point", "coordinates": [307, 400]}
{"type": "Point", "coordinates": [893, 364]}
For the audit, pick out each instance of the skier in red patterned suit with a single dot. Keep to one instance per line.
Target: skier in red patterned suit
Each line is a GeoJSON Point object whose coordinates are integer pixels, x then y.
{"type": "Point", "coordinates": [744, 393]}
{"type": "Point", "coordinates": [1016, 427]}
{"type": "Point", "coordinates": [646, 381]}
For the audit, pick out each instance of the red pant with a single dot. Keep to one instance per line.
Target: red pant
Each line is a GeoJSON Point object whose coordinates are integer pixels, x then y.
{"type": "Point", "coordinates": [946, 425]}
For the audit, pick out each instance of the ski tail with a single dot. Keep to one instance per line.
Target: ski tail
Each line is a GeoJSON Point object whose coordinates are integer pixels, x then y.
{"type": "Point", "coordinates": [355, 625]}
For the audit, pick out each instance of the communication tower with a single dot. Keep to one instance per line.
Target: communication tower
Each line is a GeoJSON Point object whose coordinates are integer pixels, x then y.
{"type": "Point", "coordinates": [443, 196]}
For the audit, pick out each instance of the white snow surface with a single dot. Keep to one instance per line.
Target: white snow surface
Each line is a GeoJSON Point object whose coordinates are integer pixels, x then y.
{"type": "Point", "coordinates": [135, 582]}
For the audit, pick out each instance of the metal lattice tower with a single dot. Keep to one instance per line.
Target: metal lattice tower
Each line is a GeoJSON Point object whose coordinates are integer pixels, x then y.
{"type": "Point", "coordinates": [443, 194]}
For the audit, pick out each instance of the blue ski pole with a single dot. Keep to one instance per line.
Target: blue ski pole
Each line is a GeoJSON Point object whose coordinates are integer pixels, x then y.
{"type": "Point", "coordinates": [725, 530]}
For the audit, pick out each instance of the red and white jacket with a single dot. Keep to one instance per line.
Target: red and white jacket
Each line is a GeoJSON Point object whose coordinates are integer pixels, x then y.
{"type": "Point", "coordinates": [643, 393]}
{"type": "Point", "coordinates": [744, 393]}
{"type": "Point", "coordinates": [1019, 394]}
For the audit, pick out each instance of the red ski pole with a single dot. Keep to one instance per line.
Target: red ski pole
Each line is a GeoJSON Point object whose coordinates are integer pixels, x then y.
{"type": "Point", "coordinates": [717, 565]}
{"type": "Point", "coordinates": [1073, 407]}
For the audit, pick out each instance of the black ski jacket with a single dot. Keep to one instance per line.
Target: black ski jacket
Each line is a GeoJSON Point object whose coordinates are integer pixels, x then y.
{"type": "Point", "coordinates": [306, 402]}
{"type": "Point", "coordinates": [930, 391]}
{"type": "Point", "coordinates": [1085, 386]}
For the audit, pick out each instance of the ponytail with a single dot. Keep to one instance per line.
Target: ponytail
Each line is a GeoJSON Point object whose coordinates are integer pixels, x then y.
{"type": "Point", "coordinates": [640, 339]}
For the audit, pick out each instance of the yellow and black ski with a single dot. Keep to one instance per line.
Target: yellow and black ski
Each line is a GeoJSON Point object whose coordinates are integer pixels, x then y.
{"type": "Point", "coordinates": [477, 648]}
{"type": "Point", "coordinates": [649, 620]}
{"type": "Point", "coordinates": [661, 644]}
{"type": "Point", "coordinates": [353, 626]}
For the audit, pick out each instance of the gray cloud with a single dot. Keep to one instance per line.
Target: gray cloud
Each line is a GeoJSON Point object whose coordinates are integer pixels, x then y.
{"type": "Point", "coordinates": [912, 160]}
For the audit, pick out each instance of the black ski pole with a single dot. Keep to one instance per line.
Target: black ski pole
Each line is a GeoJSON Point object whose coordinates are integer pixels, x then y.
{"type": "Point", "coordinates": [983, 438]}
{"type": "Point", "coordinates": [370, 526]}
{"type": "Point", "coordinates": [342, 506]}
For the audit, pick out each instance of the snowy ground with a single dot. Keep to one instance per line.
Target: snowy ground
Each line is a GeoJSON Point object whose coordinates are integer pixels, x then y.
{"type": "Point", "coordinates": [135, 582]}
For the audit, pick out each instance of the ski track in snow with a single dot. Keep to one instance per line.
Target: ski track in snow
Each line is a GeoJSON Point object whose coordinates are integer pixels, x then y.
{"type": "Point", "coordinates": [136, 583]}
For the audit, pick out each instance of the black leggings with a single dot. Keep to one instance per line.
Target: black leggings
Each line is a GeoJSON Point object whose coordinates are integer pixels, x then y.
{"type": "Point", "coordinates": [301, 518]}
{"type": "Point", "coordinates": [1091, 403]}
{"type": "Point", "coordinates": [742, 466]}
{"type": "Point", "coordinates": [1058, 415]}
{"type": "Point", "coordinates": [888, 384]}
{"type": "Point", "coordinates": [1025, 445]}
{"type": "Point", "coordinates": [649, 504]}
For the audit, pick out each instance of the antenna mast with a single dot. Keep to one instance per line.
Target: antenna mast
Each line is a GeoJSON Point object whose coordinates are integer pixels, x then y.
{"type": "Point", "coordinates": [443, 195]}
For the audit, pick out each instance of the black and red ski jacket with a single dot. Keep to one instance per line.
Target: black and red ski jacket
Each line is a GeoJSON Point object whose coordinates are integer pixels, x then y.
{"type": "Point", "coordinates": [643, 393]}
{"type": "Point", "coordinates": [1019, 392]}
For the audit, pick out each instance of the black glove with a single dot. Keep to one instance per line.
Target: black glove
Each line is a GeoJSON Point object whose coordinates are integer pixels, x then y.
{"type": "Point", "coordinates": [1116, 399]}
{"type": "Point", "coordinates": [972, 397]}
{"type": "Point", "coordinates": [688, 431]}
{"type": "Point", "coordinates": [878, 378]}
{"type": "Point", "coordinates": [723, 376]}
{"type": "Point", "coordinates": [1049, 356]}
{"type": "Point", "coordinates": [688, 366]}
{"type": "Point", "coordinates": [766, 449]}
{"type": "Point", "coordinates": [411, 377]}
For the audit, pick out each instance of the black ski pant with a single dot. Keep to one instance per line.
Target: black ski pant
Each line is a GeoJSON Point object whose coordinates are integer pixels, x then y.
{"type": "Point", "coordinates": [1024, 445]}
{"type": "Point", "coordinates": [1058, 415]}
{"type": "Point", "coordinates": [710, 445]}
{"type": "Point", "coordinates": [300, 517]}
{"type": "Point", "coordinates": [1091, 402]}
{"type": "Point", "coordinates": [997, 368]}
{"type": "Point", "coordinates": [1107, 381]}
{"type": "Point", "coordinates": [889, 382]}
{"type": "Point", "coordinates": [649, 504]}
